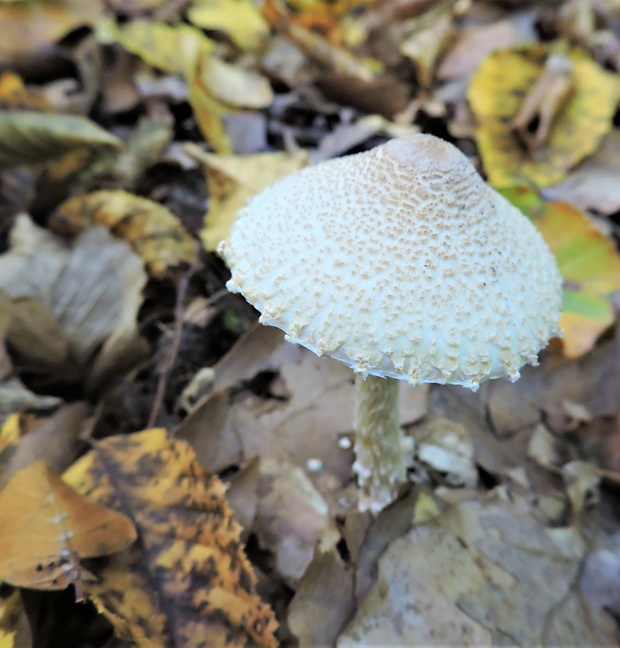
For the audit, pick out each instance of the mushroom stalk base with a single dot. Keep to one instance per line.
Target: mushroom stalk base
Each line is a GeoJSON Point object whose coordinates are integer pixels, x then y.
{"type": "Point", "coordinates": [379, 442]}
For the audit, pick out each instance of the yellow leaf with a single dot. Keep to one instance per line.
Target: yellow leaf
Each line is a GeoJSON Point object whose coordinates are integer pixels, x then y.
{"type": "Point", "coordinates": [9, 612]}
{"type": "Point", "coordinates": [232, 180]}
{"type": "Point", "coordinates": [588, 262]}
{"type": "Point", "coordinates": [496, 94]}
{"type": "Point", "coordinates": [30, 137]}
{"type": "Point", "coordinates": [187, 582]}
{"type": "Point", "coordinates": [15, 95]}
{"type": "Point", "coordinates": [28, 26]}
{"type": "Point", "coordinates": [208, 110]}
{"type": "Point", "coordinates": [10, 435]}
{"type": "Point", "coordinates": [234, 85]}
{"type": "Point", "coordinates": [156, 43]}
{"type": "Point", "coordinates": [46, 528]}
{"type": "Point", "coordinates": [153, 231]}
{"type": "Point", "coordinates": [239, 19]}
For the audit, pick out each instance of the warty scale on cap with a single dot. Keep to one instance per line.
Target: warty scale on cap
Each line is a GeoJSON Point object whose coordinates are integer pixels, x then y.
{"type": "Point", "coordinates": [401, 262]}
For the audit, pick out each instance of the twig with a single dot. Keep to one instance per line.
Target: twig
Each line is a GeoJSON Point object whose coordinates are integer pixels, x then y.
{"type": "Point", "coordinates": [179, 310]}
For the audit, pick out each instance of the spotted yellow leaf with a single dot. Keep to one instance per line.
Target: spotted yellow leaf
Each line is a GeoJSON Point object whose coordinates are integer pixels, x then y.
{"type": "Point", "coordinates": [187, 581]}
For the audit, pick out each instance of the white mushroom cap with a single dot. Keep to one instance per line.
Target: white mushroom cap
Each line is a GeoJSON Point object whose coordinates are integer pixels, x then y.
{"type": "Point", "coordinates": [401, 262]}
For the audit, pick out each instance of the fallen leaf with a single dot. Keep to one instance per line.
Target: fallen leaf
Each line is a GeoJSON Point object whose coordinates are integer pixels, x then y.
{"type": "Point", "coordinates": [28, 137]}
{"type": "Point", "coordinates": [336, 59]}
{"type": "Point", "coordinates": [496, 93]}
{"type": "Point", "coordinates": [232, 180]}
{"type": "Point", "coordinates": [28, 26]}
{"type": "Point", "coordinates": [482, 573]}
{"type": "Point", "coordinates": [593, 184]}
{"type": "Point", "coordinates": [476, 42]}
{"type": "Point", "coordinates": [292, 517]}
{"type": "Point", "coordinates": [323, 601]}
{"type": "Point", "coordinates": [91, 293]}
{"type": "Point", "coordinates": [186, 581]}
{"type": "Point", "coordinates": [588, 262]}
{"type": "Point", "coordinates": [15, 95]}
{"type": "Point", "coordinates": [47, 528]}
{"type": "Point", "coordinates": [153, 231]}
{"type": "Point", "coordinates": [446, 447]}
{"type": "Point", "coordinates": [544, 102]}
{"type": "Point", "coordinates": [424, 46]}
{"type": "Point", "coordinates": [156, 43]}
{"type": "Point", "coordinates": [10, 609]}
{"type": "Point", "coordinates": [53, 439]}
{"type": "Point", "coordinates": [241, 20]}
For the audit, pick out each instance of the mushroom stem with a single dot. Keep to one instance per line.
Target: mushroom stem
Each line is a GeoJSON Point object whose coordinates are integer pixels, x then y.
{"type": "Point", "coordinates": [379, 442]}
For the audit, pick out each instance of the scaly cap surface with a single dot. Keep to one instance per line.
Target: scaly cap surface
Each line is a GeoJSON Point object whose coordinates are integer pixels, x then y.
{"type": "Point", "coordinates": [401, 262]}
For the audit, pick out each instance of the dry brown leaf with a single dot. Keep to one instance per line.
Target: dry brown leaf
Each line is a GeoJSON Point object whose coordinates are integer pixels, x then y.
{"type": "Point", "coordinates": [187, 581]}
{"type": "Point", "coordinates": [483, 572]}
{"type": "Point", "coordinates": [88, 295]}
{"type": "Point", "coordinates": [323, 601]}
{"type": "Point", "coordinates": [46, 528]}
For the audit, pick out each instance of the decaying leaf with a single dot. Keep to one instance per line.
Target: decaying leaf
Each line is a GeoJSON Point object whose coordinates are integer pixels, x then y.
{"type": "Point", "coordinates": [496, 95]}
{"type": "Point", "coordinates": [46, 528]}
{"type": "Point", "coordinates": [232, 180]}
{"type": "Point", "coordinates": [151, 229]}
{"type": "Point", "coordinates": [588, 262]}
{"type": "Point", "coordinates": [87, 296]}
{"type": "Point", "coordinates": [187, 581]}
{"type": "Point", "coordinates": [28, 137]}
{"type": "Point", "coordinates": [483, 573]}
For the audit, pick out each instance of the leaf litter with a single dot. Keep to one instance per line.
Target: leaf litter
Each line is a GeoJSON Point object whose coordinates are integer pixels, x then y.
{"type": "Point", "coordinates": [159, 120]}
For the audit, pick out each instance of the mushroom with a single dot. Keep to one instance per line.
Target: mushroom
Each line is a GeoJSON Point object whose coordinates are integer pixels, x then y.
{"type": "Point", "coordinates": [404, 264]}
